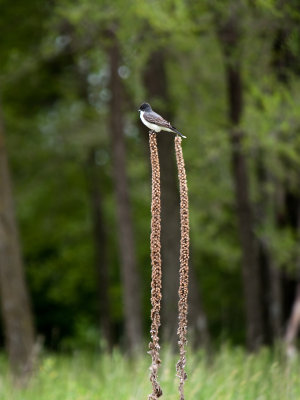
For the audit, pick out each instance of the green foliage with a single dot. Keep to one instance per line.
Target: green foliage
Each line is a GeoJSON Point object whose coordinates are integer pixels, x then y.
{"type": "Point", "coordinates": [232, 376]}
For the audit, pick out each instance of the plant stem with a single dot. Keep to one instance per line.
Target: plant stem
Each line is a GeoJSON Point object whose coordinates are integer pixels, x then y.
{"type": "Point", "coordinates": [156, 268]}
{"type": "Point", "coordinates": [184, 267]}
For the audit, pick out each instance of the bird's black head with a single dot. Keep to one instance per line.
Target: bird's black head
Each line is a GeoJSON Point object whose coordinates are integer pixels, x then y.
{"type": "Point", "coordinates": [145, 107]}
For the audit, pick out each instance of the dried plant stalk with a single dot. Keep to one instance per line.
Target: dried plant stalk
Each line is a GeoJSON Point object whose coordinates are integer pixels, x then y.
{"type": "Point", "coordinates": [156, 268]}
{"type": "Point", "coordinates": [184, 267]}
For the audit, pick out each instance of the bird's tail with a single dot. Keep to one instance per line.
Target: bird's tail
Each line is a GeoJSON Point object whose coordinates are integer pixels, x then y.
{"type": "Point", "coordinates": [178, 133]}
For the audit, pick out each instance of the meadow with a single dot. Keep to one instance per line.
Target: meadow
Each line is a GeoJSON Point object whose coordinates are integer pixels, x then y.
{"type": "Point", "coordinates": [231, 375]}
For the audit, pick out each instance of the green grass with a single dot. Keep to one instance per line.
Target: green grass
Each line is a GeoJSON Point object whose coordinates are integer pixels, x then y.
{"type": "Point", "coordinates": [232, 375]}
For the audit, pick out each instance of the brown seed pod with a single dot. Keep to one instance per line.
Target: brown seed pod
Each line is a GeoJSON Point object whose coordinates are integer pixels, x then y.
{"type": "Point", "coordinates": [156, 268]}
{"type": "Point", "coordinates": [184, 267]}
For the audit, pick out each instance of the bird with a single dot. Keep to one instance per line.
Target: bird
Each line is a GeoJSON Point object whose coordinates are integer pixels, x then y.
{"type": "Point", "coordinates": [154, 121]}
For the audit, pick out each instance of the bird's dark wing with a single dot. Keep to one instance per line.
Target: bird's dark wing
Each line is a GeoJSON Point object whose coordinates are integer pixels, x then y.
{"type": "Point", "coordinates": [157, 119]}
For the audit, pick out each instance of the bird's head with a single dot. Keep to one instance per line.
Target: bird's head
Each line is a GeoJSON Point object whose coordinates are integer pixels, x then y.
{"type": "Point", "coordinates": [145, 107]}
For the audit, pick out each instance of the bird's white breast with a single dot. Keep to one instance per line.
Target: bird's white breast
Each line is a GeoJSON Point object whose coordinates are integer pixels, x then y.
{"type": "Point", "coordinates": [153, 127]}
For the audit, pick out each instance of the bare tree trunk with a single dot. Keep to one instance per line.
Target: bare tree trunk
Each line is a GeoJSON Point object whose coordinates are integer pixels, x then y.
{"type": "Point", "coordinates": [275, 301]}
{"type": "Point", "coordinates": [272, 294]}
{"type": "Point", "coordinates": [283, 62]}
{"type": "Point", "coordinates": [155, 80]}
{"type": "Point", "coordinates": [15, 304]}
{"type": "Point", "coordinates": [129, 272]}
{"type": "Point", "coordinates": [100, 245]}
{"type": "Point", "coordinates": [270, 271]}
{"type": "Point", "coordinates": [293, 326]}
{"type": "Point", "coordinates": [228, 35]}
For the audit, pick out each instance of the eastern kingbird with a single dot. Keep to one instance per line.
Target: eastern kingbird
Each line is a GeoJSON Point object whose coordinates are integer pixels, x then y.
{"type": "Point", "coordinates": [154, 121]}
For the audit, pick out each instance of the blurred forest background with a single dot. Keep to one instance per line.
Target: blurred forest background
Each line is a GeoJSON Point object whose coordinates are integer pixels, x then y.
{"type": "Point", "coordinates": [75, 172]}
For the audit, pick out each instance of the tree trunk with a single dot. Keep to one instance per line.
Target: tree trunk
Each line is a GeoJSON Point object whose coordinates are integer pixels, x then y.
{"type": "Point", "coordinates": [293, 326]}
{"type": "Point", "coordinates": [100, 245]}
{"type": "Point", "coordinates": [228, 35]}
{"type": "Point", "coordinates": [283, 62]}
{"type": "Point", "coordinates": [129, 272]}
{"type": "Point", "coordinates": [15, 304]}
{"type": "Point", "coordinates": [275, 301]}
{"type": "Point", "coordinates": [155, 80]}
{"type": "Point", "coordinates": [272, 294]}
{"type": "Point", "coordinates": [270, 270]}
